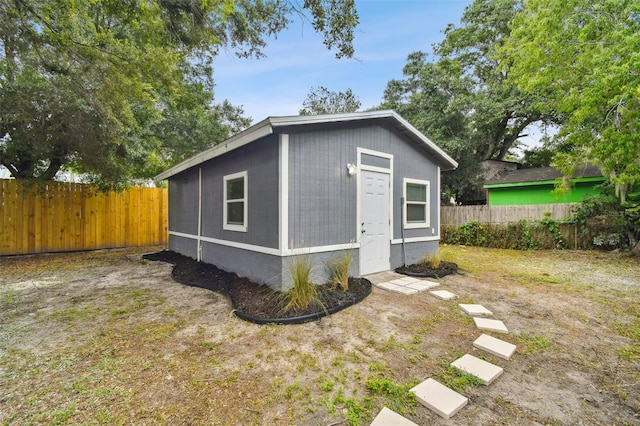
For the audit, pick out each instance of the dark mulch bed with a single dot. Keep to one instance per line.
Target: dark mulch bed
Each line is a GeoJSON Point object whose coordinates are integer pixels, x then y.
{"type": "Point", "coordinates": [255, 302]}
{"type": "Point", "coordinates": [421, 270]}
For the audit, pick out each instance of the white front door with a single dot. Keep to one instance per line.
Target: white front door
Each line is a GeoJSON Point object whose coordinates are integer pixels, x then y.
{"type": "Point", "coordinates": [375, 241]}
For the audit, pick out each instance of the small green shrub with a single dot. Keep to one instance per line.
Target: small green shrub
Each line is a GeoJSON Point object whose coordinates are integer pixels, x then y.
{"type": "Point", "coordinates": [304, 292]}
{"type": "Point", "coordinates": [433, 260]}
{"type": "Point", "coordinates": [339, 268]}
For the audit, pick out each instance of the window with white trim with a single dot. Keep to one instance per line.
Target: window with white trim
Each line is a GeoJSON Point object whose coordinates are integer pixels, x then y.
{"type": "Point", "coordinates": [416, 206]}
{"type": "Point", "coordinates": [234, 215]}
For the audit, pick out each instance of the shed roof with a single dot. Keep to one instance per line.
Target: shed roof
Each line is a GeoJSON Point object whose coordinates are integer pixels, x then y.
{"type": "Point", "coordinates": [270, 124]}
{"type": "Point", "coordinates": [541, 175]}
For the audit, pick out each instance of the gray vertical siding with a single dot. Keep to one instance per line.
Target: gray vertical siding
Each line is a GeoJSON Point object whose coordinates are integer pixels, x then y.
{"type": "Point", "coordinates": [260, 160]}
{"type": "Point", "coordinates": [185, 246]}
{"type": "Point", "coordinates": [414, 252]}
{"type": "Point", "coordinates": [322, 210]}
{"type": "Point", "coordinates": [183, 202]}
{"type": "Point", "coordinates": [259, 267]}
{"type": "Point", "coordinates": [322, 200]}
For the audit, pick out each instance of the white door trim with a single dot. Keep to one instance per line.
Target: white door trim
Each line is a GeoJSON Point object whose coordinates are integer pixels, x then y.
{"type": "Point", "coordinates": [361, 167]}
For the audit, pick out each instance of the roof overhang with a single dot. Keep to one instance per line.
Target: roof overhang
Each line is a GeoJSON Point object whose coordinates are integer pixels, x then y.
{"type": "Point", "coordinates": [271, 124]}
{"type": "Point", "coordinates": [543, 182]}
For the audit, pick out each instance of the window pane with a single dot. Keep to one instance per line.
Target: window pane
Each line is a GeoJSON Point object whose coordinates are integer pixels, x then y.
{"type": "Point", "coordinates": [416, 192]}
{"type": "Point", "coordinates": [235, 213]}
{"type": "Point", "coordinates": [416, 213]}
{"type": "Point", "coordinates": [235, 189]}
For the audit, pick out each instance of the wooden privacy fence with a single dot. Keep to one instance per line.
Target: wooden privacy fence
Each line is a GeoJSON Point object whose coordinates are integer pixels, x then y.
{"type": "Point", "coordinates": [459, 215]}
{"type": "Point", "coordinates": [72, 216]}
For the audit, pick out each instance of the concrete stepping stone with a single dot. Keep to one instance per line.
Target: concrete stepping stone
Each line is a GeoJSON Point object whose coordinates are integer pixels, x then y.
{"type": "Point", "coordinates": [475, 310]}
{"type": "Point", "coordinates": [423, 285]}
{"type": "Point", "coordinates": [494, 346]}
{"type": "Point", "coordinates": [443, 294]}
{"type": "Point", "coordinates": [439, 398]}
{"type": "Point", "coordinates": [404, 281]}
{"type": "Point", "coordinates": [402, 289]}
{"type": "Point", "coordinates": [483, 370]}
{"type": "Point", "coordinates": [490, 324]}
{"type": "Point", "coordinates": [388, 417]}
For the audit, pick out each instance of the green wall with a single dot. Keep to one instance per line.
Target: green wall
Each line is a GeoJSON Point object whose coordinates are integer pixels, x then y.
{"type": "Point", "coordinates": [537, 194]}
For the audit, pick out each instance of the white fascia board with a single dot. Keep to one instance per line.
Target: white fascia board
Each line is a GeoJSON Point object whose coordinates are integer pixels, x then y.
{"type": "Point", "coordinates": [439, 152]}
{"type": "Point", "coordinates": [298, 120]}
{"type": "Point", "coordinates": [253, 133]}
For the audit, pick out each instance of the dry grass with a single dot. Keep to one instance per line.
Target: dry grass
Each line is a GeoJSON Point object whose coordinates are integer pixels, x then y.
{"type": "Point", "coordinates": [101, 338]}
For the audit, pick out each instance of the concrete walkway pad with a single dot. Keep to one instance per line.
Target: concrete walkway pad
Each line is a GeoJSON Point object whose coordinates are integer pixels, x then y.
{"type": "Point", "coordinates": [423, 285]}
{"type": "Point", "coordinates": [388, 417]}
{"type": "Point", "coordinates": [475, 310]}
{"type": "Point", "coordinates": [490, 324]}
{"type": "Point", "coordinates": [439, 398]}
{"type": "Point", "coordinates": [398, 283]}
{"type": "Point", "coordinates": [494, 346]}
{"type": "Point", "coordinates": [443, 294]}
{"type": "Point", "coordinates": [397, 288]}
{"type": "Point", "coordinates": [483, 370]}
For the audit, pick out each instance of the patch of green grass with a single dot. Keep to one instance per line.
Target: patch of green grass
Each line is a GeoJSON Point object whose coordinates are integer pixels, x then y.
{"type": "Point", "coordinates": [632, 331]}
{"type": "Point", "coordinates": [396, 396]}
{"type": "Point", "coordinates": [456, 379]}
{"type": "Point", "coordinates": [62, 416]}
{"type": "Point", "coordinates": [76, 314]}
{"type": "Point", "coordinates": [210, 345]}
{"type": "Point", "coordinates": [630, 353]}
{"type": "Point", "coordinates": [357, 412]}
{"type": "Point", "coordinates": [9, 298]}
{"type": "Point", "coordinates": [327, 386]}
{"type": "Point", "coordinates": [305, 361]}
{"type": "Point", "coordinates": [532, 343]}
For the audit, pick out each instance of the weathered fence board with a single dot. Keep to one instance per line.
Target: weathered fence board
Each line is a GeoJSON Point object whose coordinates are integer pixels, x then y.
{"type": "Point", "coordinates": [459, 215]}
{"type": "Point", "coordinates": [72, 216]}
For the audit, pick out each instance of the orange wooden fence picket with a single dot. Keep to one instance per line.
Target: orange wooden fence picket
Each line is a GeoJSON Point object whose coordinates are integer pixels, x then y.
{"type": "Point", "coordinates": [72, 216]}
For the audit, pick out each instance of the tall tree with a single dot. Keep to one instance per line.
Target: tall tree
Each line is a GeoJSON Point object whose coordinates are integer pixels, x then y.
{"type": "Point", "coordinates": [106, 87]}
{"type": "Point", "coordinates": [323, 101]}
{"type": "Point", "coordinates": [463, 97]}
{"type": "Point", "coordinates": [581, 60]}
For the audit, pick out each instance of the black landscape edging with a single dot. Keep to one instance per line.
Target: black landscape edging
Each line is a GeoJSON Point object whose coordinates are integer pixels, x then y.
{"type": "Point", "coordinates": [259, 320]}
{"type": "Point", "coordinates": [307, 317]}
{"type": "Point", "coordinates": [438, 274]}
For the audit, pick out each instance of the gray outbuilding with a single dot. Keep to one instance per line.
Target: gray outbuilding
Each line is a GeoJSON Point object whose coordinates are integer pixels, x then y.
{"type": "Point", "coordinates": [312, 186]}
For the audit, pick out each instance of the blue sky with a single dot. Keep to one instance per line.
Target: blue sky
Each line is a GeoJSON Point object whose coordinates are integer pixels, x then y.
{"type": "Point", "coordinates": [297, 60]}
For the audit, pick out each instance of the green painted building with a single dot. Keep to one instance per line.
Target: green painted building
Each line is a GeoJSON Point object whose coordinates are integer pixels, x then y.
{"type": "Point", "coordinates": [535, 186]}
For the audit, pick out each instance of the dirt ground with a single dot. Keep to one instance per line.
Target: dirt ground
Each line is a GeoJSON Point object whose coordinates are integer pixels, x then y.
{"type": "Point", "coordinates": [106, 338]}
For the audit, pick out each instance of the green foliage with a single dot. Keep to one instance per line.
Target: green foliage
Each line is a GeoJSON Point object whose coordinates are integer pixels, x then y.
{"type": "Point", "coordinates": [610, 222]}
{"type": "Point", "coordinates": [554, 228]}
{"type": "Point", "coordinates": [324, 101]}
{"type": "Point", "coordinates": [304, 292]}
{"type": "Point", "coordinates": [118, 91]}
{"type": "Point", "coordinates": [522, 235]}
{"type": "Point", "coordinates": [578, 58]}
{"type": "Point", "coordinates": [462, 100]}
{"type": "Point", "coordinates": [339, 267]}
